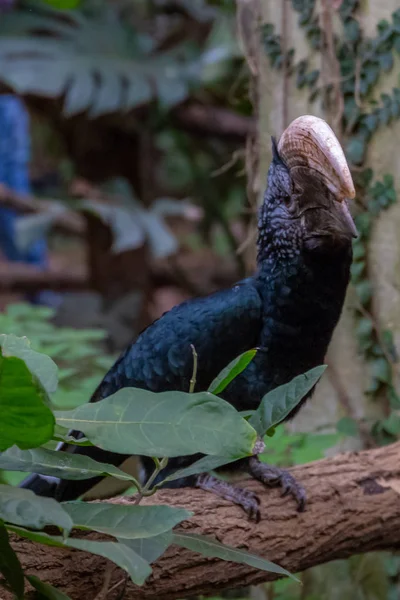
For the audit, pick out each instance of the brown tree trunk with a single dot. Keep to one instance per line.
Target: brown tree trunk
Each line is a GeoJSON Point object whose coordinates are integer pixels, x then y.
{"type": "Point", "coordinates": [353, 507]}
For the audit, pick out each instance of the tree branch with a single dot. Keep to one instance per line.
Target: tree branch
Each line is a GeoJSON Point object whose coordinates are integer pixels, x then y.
{"type": "Point", "coordinates": [213, 120]}
{"type": "Point", "coordinates": [22, 278]}
{"type": "Point", "coordinates": [353, 507]}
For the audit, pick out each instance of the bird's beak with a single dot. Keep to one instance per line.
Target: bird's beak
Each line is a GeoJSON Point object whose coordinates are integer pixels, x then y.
{"type": "Point", "coordinates": [310, 143]}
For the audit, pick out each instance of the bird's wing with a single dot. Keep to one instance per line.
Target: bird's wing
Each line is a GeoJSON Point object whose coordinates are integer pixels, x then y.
{"type": "Point", "coordinates": [220, 327]}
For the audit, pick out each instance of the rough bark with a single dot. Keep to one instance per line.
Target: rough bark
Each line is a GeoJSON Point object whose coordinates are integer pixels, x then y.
{"type": "Point", "coordinates": [353, 507]}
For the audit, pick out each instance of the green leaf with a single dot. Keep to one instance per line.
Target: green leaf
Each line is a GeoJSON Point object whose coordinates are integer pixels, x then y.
{"type": "Point", "coordinates": [161, 241]}
{"type": "Point", "coordinates": [385, 115]}
{"type": "Point", "coordinates": [371, 121]}
{"type": "Point", "coordinates": [209, 547]}
{"type": "Point", "coordinates": [58, 464]}
{"type": "Point", "coordinates": [357, 269]}
{"type": "Point", "coordinates": [373, 386]}
{"type": "Point", "coordinates": [150, 549]}
{"type": "Point", "coordinates": [371, 72]}
{"type": "Point", "coordinates": [358, 250]}
{"type": "Point", "coordinates": [70, 439]}
{"type": "Point", "coordinates": [40, 365]}
{"type": "Point", "coordinates": [355, 150]}
{"type": "Point", "coordinates": [231, 371]}
{"type": "Point", "coordinates": [246, 414]}
{"type": "Point", "coordinates": [381, 370]}
{"type": "Point", "coordinates": [120, 554]}
{"type": "Point", "coordinates": [46, 590]}
{"type": "Point", "coordinates": [10, 567]}
{"type": "Point", "coordinates": [64, 5]}
{"type": "Point", "coordinates": [25, 419]}
{"type": "Point", "coordinates": [278, 403]}
{"type": "Point", "coordinates": [37, 536]}
{"type": "Point", "coordinates": [125, 224]}
{"type": "Point", "coordinates": [135, 421]}
{"type": "Point", "coordinates": [123, 521]}
{"type": "Point", "coordinates": [392, 424]}
{"type": "Point", "coordinates": [365, 327]}
{"type": "Point", "coordinates": [139, 92]}
{"type": "Point", "coordinates": [386, 61]}
{"type": "Point", "coordinates": [113, 74]}
{"type": "Point", "coordinates": [132, 226]}
{"type": "Point", "coordinates": [363, 223]}
{"type": "Point", "coordinates": [352, 30]}
{"type": "Point", "coordinates": [203, 465]}
{"type": "Point", "coordinates": [22, 507]}
{"type": "Point", "coordinates": [394, 398]}
{"type": "Point", "coordinates": [364, 291]}
{"type": "Point", "coordinates": [31, 228]}
{"type": "Point", "coordinates": [348, 426]}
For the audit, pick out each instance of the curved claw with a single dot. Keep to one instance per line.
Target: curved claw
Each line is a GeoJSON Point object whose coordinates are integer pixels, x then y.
{"type": "Point", "coordinates": [248, 500]}
{"type": "Point", "coordinates": [273, 476]}
{"type": "Point", "coordinates": [251, 504]}
{"type": "Point", "coordinates": [292, 487]}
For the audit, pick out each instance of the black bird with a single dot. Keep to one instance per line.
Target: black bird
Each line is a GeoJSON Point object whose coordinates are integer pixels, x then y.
{"type": "Point", "coordinates": [288, 309]}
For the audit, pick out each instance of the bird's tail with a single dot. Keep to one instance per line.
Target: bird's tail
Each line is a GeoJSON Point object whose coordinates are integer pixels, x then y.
{"type": "Point", "coordinates": [65, 490]}
{"type": "Point", "coordinates": [41, 485]}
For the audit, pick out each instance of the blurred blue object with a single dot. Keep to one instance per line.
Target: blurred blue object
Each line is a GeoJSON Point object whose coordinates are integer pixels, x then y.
{"type": "Point", "coordinates": [14, 173]}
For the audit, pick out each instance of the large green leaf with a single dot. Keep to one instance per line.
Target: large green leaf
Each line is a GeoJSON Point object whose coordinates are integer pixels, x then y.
{"type": "Point", "coordinates": [132, 225]}
{"type": "Point", "coordinates": [120, 554]}
{"type": "Point", "coordinates": [203, 465]}
{"type": "Point", "coordinates": [212, 548]}
{"type": "Point", "coordinates": [40, 365]}
{"type": "Point", "coordinates": [22, 507]}
{"type": "Point", "coordinates": [91, 62]}
{"type": "Point", "coordinates": [30, 228]}
{"type": "Point", "coordinates": [46, 590]}
{"type": "Point", "coordinates": [128, 232]}
{"type": "Point", "coordinates": [25, 377]}
{"type": "Point", "coordinates": [103, 65]}
{"type": "Point", "coordinates": [231, 371]}
{"type": "Point", "coordinates": [125, 521]}
{"type": "Point", "coordinates": [278, 403]}
{"type": "Point", "coordinates": [150, 548]}
{"type": "Point", "coordinates": [58, 464]}
{"type": "Point", "coordinates": [135, 421]}
{"type": "Point", "coordinates": [10, 567]}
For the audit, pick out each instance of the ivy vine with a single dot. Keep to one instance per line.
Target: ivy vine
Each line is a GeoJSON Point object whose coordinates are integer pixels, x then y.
{"type": "Point", "coordinates": [362, 62]}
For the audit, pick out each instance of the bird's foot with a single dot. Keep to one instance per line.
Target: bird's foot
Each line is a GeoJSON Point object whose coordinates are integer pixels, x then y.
{"type": "Point", "coordinates": [275, 477]}
{"type": "Point", "coordinates": [244, 498]}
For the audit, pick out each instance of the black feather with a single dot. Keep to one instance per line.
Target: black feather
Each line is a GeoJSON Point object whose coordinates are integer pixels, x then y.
{"type": "Point", "coordinates": [288, 309]}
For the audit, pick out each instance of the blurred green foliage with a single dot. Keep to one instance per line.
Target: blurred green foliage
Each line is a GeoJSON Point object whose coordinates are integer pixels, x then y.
{"type": "Point", "coordinates": [78, 353]}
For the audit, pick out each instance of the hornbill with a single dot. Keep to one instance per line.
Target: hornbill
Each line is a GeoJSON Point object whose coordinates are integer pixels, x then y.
{"type": "Point", "coordinates": [288, 310]}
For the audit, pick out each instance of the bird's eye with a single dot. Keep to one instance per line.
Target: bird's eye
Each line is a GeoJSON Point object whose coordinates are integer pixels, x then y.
{"type": "Point", "coordinates": [287, 200]}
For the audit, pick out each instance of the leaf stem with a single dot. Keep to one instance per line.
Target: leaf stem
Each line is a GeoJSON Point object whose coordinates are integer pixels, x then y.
{"type": "Point", "coordinates": [194, 374]}
{"type": "Point", "coordinates": [146, 489]}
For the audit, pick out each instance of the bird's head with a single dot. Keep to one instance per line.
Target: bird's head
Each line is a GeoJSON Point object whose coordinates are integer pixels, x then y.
{"type": "Point", "coordinates": [309, 183]}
